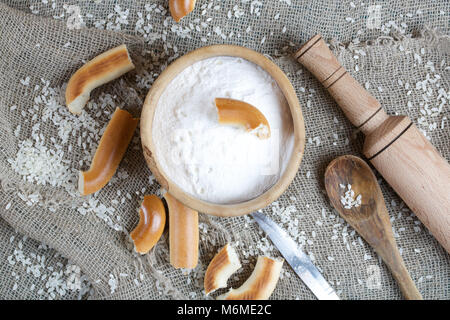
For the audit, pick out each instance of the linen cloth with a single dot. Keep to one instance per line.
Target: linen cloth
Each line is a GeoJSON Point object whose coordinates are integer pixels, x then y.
{"type": "Point", "coordinates": [58, 245]}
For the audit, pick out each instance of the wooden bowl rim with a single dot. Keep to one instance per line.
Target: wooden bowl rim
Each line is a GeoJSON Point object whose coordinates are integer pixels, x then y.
{"type": "Point", "coordinates": [150, 104]}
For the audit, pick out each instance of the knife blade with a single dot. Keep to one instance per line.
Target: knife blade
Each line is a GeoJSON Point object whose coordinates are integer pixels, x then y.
{"type": "Point", "coordinates": [296, 258]}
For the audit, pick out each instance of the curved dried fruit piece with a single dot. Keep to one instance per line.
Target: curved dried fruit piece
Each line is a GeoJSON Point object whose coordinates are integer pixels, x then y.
{"type": "Point", "coordinates": [243, 114]}
{"type": "Point", "coordinates": [152, 219]}
{"type": "Point", "coordinates": [260, 284]}
{"type": "Point", "coordinates": [103, 68]}
{"type": "Point", "coordinates": [183, 234]}
{"type": "Point", "coordinates": [109, 153]}
{"type": "Point", "coordinates": [222, 266]}
{"type": "Point", "coordinates": [180, 8]}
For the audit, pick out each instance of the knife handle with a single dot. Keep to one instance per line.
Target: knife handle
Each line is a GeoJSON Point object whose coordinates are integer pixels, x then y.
{"type": "Point", "coordinates": [358, 105]}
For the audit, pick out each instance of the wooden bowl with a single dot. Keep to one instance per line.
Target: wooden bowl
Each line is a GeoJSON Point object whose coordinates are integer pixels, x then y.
{"type": "Point", "coordinates": [150, 105]}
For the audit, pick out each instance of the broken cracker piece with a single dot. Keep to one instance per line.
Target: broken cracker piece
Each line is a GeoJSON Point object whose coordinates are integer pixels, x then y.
{"type": "Point", "coordinates": [113, 144]}
{"type": "Point", "coordinates": [222, 266]}
{"type": "Point", "coordinates": [152, 219]}
{"type": "Point", "coordinates": [180, 8]}
{"type": "Point", "coordinates": [260, 284]}
{"type": "Point", "coordinates": [243, 114]}
{"type": "Point", "coordinates": [103, 68]}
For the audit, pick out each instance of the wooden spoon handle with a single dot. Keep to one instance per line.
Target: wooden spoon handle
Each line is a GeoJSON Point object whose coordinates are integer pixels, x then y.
{"type": "Point", "coordinates": [394, 261]}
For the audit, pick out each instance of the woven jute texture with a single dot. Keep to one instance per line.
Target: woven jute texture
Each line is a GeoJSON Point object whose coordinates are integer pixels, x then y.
{"type": "Point", "coordinates": [56, 244]}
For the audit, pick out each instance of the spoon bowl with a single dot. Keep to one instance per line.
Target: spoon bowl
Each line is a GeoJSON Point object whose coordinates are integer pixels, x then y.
{"type": "Point", "coordinates": [354, 192]}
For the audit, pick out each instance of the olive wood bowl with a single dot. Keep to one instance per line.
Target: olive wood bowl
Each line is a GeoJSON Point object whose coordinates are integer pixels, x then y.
{"type": "Point", "coordinates": [151, 157]}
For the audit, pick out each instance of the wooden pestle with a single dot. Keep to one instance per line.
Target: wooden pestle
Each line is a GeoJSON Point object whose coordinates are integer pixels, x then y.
{"type": "Point", "coordinates": [393, 144]}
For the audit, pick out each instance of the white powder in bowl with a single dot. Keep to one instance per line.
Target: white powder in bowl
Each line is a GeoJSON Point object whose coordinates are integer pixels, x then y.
{"type": "Point", "coordinates": [214, 162]}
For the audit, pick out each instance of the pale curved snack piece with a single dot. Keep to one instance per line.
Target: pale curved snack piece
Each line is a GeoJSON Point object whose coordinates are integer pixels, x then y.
{"type": "Point", "coordinates": [183, 234]}
{"type": "Point", "coordinates": [243, 114]}
{"type": "Point", "coordinates": [222, 266]}
{"type": "Point", "coordinates": [103, 68]}
{"type": "Point", "coordinates": [111, 148]}
{"type": "Point", "coordinates": [152, 220]}
{"type": "Point", "coordinates": [260, 284]}
{"type": "Point", "coordinates": [180, 8]}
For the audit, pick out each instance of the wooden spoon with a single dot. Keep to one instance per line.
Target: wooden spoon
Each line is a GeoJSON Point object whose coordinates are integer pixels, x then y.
{"type": "Point", "coordinates": [370, 218]}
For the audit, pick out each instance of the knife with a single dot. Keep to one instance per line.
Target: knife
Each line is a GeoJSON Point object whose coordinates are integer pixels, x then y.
{"type": "Point", "coordinates": [297, 259]}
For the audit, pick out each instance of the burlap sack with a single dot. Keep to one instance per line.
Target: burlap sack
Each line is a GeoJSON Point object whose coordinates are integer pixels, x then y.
{"type": "Point", "coordinates": [86, 251]}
